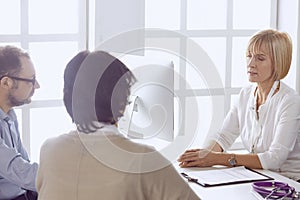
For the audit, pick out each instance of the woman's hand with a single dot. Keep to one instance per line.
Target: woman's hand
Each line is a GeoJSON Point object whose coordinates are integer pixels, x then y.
{"type": "Point", "coordinates": [197, 158]}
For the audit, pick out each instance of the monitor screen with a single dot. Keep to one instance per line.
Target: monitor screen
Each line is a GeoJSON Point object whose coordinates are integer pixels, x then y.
{"type": "Point", "coordinates": [150, 113]}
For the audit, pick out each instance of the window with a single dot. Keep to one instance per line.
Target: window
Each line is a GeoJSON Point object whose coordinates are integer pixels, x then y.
{"type": "Point", "coordinates": [222, 29]}
{"type": "Point", "coordinates": [53, 32]}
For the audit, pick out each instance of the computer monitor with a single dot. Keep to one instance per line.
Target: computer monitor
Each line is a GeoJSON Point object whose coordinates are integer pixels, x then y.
{"type": "Point", "coordinates": [150, 113]}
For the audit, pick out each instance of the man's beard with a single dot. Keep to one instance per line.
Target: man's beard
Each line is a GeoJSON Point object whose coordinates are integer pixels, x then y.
{"type": "Point", "coordinates": [17, 102]}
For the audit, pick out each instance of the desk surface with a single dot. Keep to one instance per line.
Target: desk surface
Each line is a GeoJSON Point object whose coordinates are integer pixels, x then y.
{"type": "Point", "coordinates": [235, 191]}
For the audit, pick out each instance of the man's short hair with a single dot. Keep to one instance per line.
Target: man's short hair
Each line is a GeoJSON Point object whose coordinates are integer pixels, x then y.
{"type": "Point", "coordinates": [10, 63]}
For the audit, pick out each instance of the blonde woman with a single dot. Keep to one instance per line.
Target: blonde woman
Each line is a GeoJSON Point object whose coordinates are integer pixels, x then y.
{"type": "Point", "coordinates": [266, 116]}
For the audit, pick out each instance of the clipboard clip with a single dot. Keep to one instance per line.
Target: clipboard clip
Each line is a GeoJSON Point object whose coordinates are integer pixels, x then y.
{"type": "Point", "coordinates": [189, 178]}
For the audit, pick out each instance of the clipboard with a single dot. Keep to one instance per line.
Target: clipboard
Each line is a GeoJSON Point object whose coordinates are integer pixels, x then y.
{"type": "Point", "coordinates": [227, 176]}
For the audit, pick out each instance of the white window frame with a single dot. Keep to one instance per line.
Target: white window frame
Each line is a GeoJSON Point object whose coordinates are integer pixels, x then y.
{"type": "Point", "coordinates": [87, 30]}
{"type": "Point", "coordinates": [229, 33]}
{"type": "Point", "coordinates": [25, 39]}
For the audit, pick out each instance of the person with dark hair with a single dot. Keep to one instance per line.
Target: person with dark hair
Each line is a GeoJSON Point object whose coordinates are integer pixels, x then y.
{"type": "Point", "coordinates": [17, 85]}
{"type": "Point", "coordinates": [266, 116]}
{"type": "Point", "coordinates": [96, 161]}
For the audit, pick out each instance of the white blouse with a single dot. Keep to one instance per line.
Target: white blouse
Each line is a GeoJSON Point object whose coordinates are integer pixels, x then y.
{"type": "Point", "coordinates": [274, 135]}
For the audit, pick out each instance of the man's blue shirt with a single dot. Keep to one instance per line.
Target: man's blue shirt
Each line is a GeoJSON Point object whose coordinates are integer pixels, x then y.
{"type": "Point", "coordinates": [16, 171]}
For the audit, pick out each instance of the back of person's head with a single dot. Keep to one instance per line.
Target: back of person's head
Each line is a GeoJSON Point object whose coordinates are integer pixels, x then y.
{"type": "Point", "coordinates": [96, 89]}
{"type": "Point", "coordinates": [10, 63]}
{"type": "Point", "coordinates": [279, 47]}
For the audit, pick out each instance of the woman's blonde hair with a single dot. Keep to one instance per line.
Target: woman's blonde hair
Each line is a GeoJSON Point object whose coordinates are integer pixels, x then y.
{"type": "Point", "coordinates": [279, 47]}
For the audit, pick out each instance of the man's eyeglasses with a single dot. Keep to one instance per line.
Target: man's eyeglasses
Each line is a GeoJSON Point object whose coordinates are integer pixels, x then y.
{"type": "Point", "coordinates": [33, 80]}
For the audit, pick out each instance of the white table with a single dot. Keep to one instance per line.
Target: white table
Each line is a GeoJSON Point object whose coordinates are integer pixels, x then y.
{"type": "Point", "coordinates": [235, 191]}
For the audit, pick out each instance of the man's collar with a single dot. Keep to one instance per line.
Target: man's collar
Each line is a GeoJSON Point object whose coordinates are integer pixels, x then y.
{"type": "Point", "coordinates": [11, 114]}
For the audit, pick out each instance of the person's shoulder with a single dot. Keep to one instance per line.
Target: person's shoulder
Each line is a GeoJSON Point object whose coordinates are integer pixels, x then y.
{"type": "Point", "coordinates": [131, 145]}
{"type": "Point", "coordinates": [287, 92]}
{"type": "Point", "coordinates": [287, 96]}
{"type": "Point", "coordinates": [247, 89]}
{"type": "Point", "coordinates": [59, 140]}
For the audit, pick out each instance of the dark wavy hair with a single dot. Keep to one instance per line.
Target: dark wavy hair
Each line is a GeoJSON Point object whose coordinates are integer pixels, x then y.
{"type": "Point", "coordinates": [96, 89]}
